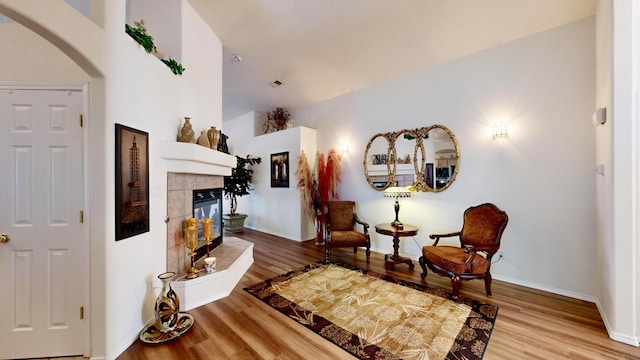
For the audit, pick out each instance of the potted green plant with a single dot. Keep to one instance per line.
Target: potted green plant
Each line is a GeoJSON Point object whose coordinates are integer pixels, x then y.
{"type": "Point", "coordinates": [238, 184]}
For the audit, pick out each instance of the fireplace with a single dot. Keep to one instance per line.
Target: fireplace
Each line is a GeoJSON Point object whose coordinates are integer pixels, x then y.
{"type": "Point", "coordinates": [207, 203]}
{"type": "Point", "coordinates": [180, 193]}
{"type": "Point", "coordinates": [190, 167]}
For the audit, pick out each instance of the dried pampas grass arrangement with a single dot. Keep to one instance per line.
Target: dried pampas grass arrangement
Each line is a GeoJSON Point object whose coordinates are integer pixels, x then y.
{"type": "Point", "coordinates": [329, 176]}
{"type": "Point", "coordinates": [305, 185]}
{"type": "Point", "coordinates": [321, 185]}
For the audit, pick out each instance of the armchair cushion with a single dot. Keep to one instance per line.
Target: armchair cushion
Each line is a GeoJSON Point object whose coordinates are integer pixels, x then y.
{"type": "Point", "coordinates": [343, 228]}
{"type": "Point", "coordinates": [454, 259]}
{"type": "Point", "coordinates": [348, 239]}
{"type": "Point", "coordinates": [482, 226]}
{"type": "Point", "coordinates": [341, 216]}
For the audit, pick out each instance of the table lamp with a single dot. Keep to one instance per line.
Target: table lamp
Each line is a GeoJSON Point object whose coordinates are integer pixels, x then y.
{"type": "Point", "coordinates": [397, 192]}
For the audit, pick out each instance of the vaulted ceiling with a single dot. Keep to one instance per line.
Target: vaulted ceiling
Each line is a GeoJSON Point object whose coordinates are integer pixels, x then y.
{"type": "Point", "coordinates": [320, 49]}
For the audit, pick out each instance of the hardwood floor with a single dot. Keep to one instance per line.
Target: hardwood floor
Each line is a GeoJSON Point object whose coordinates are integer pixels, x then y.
{"type": "Point", "coordinates": [531, 324]}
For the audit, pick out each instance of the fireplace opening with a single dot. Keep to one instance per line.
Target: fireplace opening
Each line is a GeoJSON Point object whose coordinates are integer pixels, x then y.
{"type": "Point", "coordinates": [207, 203]}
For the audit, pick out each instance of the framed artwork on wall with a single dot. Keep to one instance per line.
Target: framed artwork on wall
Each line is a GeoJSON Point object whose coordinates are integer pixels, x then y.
{"type": "Point", "coordinates": [132, 182]}
{"type": "Point", "coordinates": [280, 169]}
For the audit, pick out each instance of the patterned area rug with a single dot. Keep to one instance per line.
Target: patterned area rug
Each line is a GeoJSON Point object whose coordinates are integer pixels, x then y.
{"type": "Point", "coordinates": [376, 316]}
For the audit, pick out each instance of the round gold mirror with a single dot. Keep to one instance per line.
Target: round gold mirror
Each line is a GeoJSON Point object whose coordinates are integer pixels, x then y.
{"type": "Point", "coordinates": [433, 167]}
{"type": "Point", "coordinates": [443, 155]}
{"type": "Point", "coordinates": [379, 161]}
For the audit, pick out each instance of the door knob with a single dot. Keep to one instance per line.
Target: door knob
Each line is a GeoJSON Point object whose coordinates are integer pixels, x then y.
{"type": "Point", "coordinates": [4, 238]}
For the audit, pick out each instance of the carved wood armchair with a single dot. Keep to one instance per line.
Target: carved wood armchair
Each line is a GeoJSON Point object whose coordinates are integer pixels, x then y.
{"type": "Point", "coordinates": [341, 229]}
{"type": "Point", "coordinates": [481, 232]}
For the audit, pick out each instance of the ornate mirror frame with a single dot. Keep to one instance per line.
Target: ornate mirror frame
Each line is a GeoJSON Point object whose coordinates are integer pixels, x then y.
{"type": "Point", "coordinates": [420, 160]}
{"type": "Point", "coordinates": [369, 162]}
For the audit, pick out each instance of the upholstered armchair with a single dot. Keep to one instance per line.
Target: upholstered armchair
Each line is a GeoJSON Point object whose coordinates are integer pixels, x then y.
{"type": "Point", "coordinates": [481, 233]}
{"type": "Point", "coordinates": [342, 229]}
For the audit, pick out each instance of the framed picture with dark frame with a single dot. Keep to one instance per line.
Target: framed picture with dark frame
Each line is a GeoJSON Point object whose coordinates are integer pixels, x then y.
{"type": "Point", "coordinates": [280, 169]}
{"type": "Point", "coordinates": [132, 182]}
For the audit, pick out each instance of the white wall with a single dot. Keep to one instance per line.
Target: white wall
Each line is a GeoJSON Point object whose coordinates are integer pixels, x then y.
{"type": "Point", "coordinates": [617, 191]}
{"type": "Point", "coordinates": [139, 91]}
{"type": "Point", "coordinates": [38, 62]}
{"type": "Point", "coordinates": [272, 210]}
{"type": "Point", "coordinates": [144, 94]}
{"type": "Point", "coordinates": [543, 175]}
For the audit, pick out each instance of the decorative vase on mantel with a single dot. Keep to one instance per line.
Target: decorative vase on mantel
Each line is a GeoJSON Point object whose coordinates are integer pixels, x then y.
{"type": "Point", "coordinates": [203, 140]}
{"type": "Point", "coordinates": [186, 132]}
{"type": "Point", "coordinates": [214, 137]}
{"type": "Point", "coordinates": [167, 306]}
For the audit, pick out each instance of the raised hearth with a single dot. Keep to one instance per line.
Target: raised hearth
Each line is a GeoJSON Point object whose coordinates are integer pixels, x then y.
{"type": "Point", "coordinates": [233, 259]}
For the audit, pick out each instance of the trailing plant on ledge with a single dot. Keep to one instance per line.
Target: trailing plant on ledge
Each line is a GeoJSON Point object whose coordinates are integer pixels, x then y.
{"type": "Point", "coordinates": [140, 35]}
{"type": "Point", "coordinates": [173, 65]}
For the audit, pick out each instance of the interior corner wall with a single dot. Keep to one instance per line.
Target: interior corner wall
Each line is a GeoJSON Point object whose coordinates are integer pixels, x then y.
{"type": "Point", "coordinates": [139, 91]}
{"type": "Point", "coordinates": [164, 23]}
{"type": "Point", "coordinates": [274, 210]}
{"type": "Point", "coordinates": [617, 191]}
{"type": "Point", "coordinates": [635, 120]}
{"type": "Point", "coordinates": [544, 85]}
{"type": "Point", "coordinates": [144, 94]}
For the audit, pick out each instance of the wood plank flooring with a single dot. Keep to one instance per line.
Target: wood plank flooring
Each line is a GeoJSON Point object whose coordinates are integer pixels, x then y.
{"type": "Point", "coordinates": [531, 324]}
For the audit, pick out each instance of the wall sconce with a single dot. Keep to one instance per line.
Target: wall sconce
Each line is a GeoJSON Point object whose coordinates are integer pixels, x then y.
{"type": "Point", "coordinates": [500, 130]}
{"type": "Point", "coordinates": [344, 148]}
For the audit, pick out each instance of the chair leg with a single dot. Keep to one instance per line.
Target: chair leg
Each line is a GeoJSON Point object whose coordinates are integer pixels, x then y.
{"type": "Point", "coordinates": [423, 265]}
{"type": "Point", "coordinates": [455, 284]}
{"type": "Point", "coordinates": [368, 252]}
{"type": "Point", "coordinates": [355, 250]}
{"type": "Point", "coordinates": [487, 283]}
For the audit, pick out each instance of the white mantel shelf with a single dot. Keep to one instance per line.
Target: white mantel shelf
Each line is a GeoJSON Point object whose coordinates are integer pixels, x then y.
{"type": "Point", "coordinates": [192, 158]}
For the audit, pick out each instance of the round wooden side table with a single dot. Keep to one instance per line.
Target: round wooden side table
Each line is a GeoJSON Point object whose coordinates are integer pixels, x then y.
{"type": "Point", "coordinates": [390, 260]}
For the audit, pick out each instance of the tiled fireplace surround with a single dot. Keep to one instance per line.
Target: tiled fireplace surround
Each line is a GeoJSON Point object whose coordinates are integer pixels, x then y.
{"type": "Point", "coordinates": [189, 167]}
{"type": "Point", "coordinates": [180, 207]}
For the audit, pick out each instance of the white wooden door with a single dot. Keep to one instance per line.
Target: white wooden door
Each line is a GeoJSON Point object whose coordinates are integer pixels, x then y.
{"type": "Point", "coordinates": [41, 195]}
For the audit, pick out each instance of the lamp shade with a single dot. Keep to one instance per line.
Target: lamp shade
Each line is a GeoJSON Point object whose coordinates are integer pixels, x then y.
{"type": "Point", "coordinates": [397, 192]}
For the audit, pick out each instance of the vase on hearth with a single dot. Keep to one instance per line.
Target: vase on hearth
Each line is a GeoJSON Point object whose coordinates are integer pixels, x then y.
{"type": "Point", "coordinates": [167, 306]}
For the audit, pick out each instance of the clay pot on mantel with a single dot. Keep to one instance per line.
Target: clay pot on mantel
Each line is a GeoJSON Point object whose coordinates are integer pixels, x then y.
{"type": "Point", "coordinates": [214, 137]}
{"type": "Point", "coordinates": [186, 133]}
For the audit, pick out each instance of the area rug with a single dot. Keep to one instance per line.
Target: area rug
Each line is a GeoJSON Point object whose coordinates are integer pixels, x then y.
{"type": "Point", "coordinates": [376, 316]}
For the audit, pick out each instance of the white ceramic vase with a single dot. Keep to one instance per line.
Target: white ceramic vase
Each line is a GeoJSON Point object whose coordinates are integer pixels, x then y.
{"type": "Point", "coordinates": [167, 306]}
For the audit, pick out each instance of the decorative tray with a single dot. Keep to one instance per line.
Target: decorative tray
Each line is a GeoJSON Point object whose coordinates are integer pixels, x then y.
{"type": "Point", "coordinates": [152, 335]}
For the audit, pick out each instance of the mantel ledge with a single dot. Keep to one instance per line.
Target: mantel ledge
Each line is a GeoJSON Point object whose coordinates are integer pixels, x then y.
{"type": "Point", "coordinates": [195, 159]}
